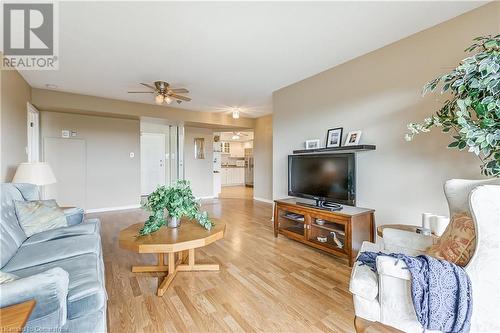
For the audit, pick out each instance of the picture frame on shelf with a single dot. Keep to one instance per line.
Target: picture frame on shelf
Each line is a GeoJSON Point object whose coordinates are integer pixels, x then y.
{"type": "Point", "coordinates": [334, 137]}
{"type": "Point", "coordinates": [353, 138]}
{"type": "Point", "coordinates": [312, 144]}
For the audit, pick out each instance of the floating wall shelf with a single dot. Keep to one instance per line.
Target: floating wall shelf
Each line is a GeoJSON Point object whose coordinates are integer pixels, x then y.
{"type": "Point", "coordinates": [345, 149]}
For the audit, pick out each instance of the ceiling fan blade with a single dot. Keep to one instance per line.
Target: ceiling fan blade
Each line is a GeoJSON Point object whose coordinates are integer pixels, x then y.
{"type": "Point", "coordinates": [149, 86]}
{"type": "Point", "coordinates": [180, 91]}
{"type": "Point", "coordinates": [183, 98]}
{"type": "Point", "coordinates": [140, 92]}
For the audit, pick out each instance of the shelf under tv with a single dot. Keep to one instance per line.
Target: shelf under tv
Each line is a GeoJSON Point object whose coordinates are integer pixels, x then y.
{"type": "Point", "coordinates": [344, 149]}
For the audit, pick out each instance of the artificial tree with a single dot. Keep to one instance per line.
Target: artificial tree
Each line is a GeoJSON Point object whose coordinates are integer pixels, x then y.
{"type": "Point", "coordinates": [178, 200]}
{"type": "Point", "coordinates": [472, 113]}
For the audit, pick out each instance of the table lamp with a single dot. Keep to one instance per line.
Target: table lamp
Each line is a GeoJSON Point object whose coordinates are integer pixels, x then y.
{"type": "Point", "coordinates": [37, 173]}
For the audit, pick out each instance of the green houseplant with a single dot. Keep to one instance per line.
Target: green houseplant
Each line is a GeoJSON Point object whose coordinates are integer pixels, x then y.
{"type": "Point", "coordinates": [472, 113]}
{"type": "Point", "coordinates": [173, 202]}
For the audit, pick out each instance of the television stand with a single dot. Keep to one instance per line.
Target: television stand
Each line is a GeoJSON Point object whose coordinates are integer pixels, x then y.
{"type": "Point", "coordinates": [340, 232]}
{"type": "Point", "coordinates": [325, 205]}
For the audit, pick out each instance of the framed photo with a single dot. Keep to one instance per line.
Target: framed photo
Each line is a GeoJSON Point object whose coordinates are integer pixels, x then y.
{"type": "Point", "coordinates": [334, 137]}
{"type": "Point", "coordinates": [353, 138]}
{"type": "Point", "coordinates": [312, 144]}
{"type": "Point", "coordinates": [199, 148]}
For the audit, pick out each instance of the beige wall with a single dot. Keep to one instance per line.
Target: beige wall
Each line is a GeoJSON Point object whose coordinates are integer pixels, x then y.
{"type": "Point", "coordinates": [263, 158]}
{"type": "Point", "coordinates": [379, 93]}
{"type": "Point", "coordinates": [112, 177]}
{"type": "Point", "coordinates": [15, 93]}
{"type": "Point", "coordinates": [199, 171]}
{"type": "Point", "coordinates": [76, 103]}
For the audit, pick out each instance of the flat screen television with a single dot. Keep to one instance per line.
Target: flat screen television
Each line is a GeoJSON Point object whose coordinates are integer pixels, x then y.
{"type": "Point", "coordinates": [326, 178]}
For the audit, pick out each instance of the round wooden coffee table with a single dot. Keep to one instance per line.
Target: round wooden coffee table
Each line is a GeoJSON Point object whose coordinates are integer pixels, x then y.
{"type": "Point", "coordinates": [182, 240]}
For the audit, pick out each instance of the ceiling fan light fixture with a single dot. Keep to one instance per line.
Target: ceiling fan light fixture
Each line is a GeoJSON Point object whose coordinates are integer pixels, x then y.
{"type": "Point", "coordinates": [168, 99]}
{"type": "Point", "coordinates": [159, 99]}
{"type": "Point", "coordinates": [235, 137]}
{"type": "Point", "coordinates": [236, 113]}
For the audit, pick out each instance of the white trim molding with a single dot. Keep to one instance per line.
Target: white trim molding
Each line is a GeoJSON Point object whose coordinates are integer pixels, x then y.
{"type": "Point", "coordinates": [205, 198]}
{"type": "Point", "coordinates": [263, 200]}
{"type": "Point", "coordinates": [110, 209]}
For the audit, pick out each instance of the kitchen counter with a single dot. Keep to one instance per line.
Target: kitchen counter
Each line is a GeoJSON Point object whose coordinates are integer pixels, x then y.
{"type": "Point", "coordinates": [231, 166]}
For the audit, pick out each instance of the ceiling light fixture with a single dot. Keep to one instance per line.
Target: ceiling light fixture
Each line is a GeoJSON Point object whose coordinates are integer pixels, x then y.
{"type": "Point", "coordinates": [168, 100]}
{"type": "Point", "coordinates": [236, 113]}
{"type": "Point", "coordinates": [159, 99]}
{"type": "Point", "coordinates": [235, 137]}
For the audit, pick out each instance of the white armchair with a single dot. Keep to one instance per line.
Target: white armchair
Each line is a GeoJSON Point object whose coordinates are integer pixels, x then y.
{"type": "Point", "coordinates": [385, 296]}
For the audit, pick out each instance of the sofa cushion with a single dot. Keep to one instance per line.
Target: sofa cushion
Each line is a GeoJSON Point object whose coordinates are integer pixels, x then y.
{"type": "Point", "coordinates": [7, 277]}
{"type": "Point", "coordinates": [74, 215]}
{"type": "Point", "coordinates": [53, 250]}
{"type": "Point", "coordinates": [11, 234]}
{"type": "Point", "coordinates": [39, 215]}
{"type": "Point", "coordinates": [86, 293]}
{"type": "Point", "coordinates": [86, 228]}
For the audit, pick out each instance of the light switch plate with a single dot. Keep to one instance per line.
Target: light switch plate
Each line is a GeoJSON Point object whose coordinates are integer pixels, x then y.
{"type": "Point", "coordinates": [65, 133]}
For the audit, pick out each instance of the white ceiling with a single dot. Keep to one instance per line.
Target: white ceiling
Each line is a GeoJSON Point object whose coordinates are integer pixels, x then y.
{"type": "Point", "coordinates": [226, 53]}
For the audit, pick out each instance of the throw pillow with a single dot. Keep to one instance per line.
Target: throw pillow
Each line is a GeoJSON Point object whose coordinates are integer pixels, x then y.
{"type": "Point", "coordinates": [7, 277]}
{"type": "Point", "coordinates": [39, 215]}
{"type": "Point", "coordinates": [458, 242]}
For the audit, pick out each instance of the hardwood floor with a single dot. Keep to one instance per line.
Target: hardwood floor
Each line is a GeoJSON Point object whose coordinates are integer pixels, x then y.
{"type": "Point", "coordinates": [236, 192]}
{"type": "Point", "coordinates": [264, 285]}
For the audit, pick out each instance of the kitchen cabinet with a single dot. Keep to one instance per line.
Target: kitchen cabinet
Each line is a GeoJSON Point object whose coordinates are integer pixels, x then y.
{"type": "Point", "coordinates": [225, 147]}
{"type": "Point", "coordinates": [232, 176]}
{"type": "Point", "coordinates": [236, 149]}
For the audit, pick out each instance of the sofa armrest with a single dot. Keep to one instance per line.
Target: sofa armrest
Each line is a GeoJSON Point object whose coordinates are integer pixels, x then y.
{"type": "Point", "coordinates": [407, 242]}
{"type": "Point", "coordinates": [49, 289]}
{"type": "Point", "coordinates": [74, 215]}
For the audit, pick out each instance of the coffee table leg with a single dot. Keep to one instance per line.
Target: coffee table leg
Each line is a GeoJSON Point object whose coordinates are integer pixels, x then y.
{"type": "Point", "coordinates": [193, 266]}
{"type": "Point", "coordinates": [160, 267]}
{"type": "Point", "coordinates": [180, 265]}
{"type": "Point", "coordinates": [172, 271]}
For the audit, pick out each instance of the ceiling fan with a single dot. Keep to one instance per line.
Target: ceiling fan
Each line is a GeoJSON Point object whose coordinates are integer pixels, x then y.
{"type": "Point", "coordinates": [164, 93]}
{"type": "Point", "coordinates": [238, 135]}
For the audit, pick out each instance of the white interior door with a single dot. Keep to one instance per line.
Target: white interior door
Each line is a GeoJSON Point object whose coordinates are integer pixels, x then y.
{"type": "Point", "coordinates": [152, 161]}
{"type": "Point", "coordinates": [33, 149]}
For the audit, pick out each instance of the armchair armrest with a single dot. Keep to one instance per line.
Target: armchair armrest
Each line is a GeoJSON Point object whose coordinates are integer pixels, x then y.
{"type": "Point", "coordinates": [407, 242]}
{"type": "Point", "coordinates": [395, 299]}
{"type": "Point", "coordinates": [392, 267]}
{"type": "Point", "coordinates": [74, 215]}
{"type": "Point", "coordinates": [49, 289]}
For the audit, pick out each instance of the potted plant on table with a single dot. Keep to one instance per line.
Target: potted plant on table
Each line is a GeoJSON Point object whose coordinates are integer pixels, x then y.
{"type": "Point", "coordinates": [168, 204]}
{"type": "Point", "coordinates": [472, 113]}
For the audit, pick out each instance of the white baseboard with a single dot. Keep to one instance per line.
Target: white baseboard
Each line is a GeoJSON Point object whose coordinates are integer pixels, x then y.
{"type": "Point", "coordinates": [109, 209]}
{"type": "Point", "coordinates": [263, 200]}
{"type": "Point", "coordinates": [204, 198]}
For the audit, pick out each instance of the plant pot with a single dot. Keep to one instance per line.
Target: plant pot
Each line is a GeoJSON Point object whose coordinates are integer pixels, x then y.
{"type": "Point", "coordinates": [173, 222]}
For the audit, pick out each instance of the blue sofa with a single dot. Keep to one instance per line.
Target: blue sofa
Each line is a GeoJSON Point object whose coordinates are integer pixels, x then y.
{"type": "Point", "coordinates": [62, 269]}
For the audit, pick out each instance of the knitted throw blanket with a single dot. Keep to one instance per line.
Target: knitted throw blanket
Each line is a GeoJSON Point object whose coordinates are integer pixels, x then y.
{"type": "Point", "coordinates": [441, 291]}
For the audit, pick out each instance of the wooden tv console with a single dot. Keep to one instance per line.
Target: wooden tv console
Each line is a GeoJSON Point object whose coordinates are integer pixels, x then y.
{"type": "Point", "coordinates": [339, 232]}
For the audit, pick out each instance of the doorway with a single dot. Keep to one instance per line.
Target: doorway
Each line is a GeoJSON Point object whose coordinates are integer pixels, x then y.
{"type": "Point", "coordinates": [235, 155]}
{"type": "Point", "coordinates": [153, 170]}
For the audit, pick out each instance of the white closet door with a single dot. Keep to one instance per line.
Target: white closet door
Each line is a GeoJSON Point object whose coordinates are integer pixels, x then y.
{"type": "Point", "coordinates": [152, 161]}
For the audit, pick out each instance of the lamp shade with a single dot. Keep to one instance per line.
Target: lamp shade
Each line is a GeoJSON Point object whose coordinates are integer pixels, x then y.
{"type": "Point", "coordinates": [38, 173]}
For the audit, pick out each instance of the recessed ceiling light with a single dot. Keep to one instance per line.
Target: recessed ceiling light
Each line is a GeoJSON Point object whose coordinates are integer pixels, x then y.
{"type": "Point", "coordinates": [51, 86]}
